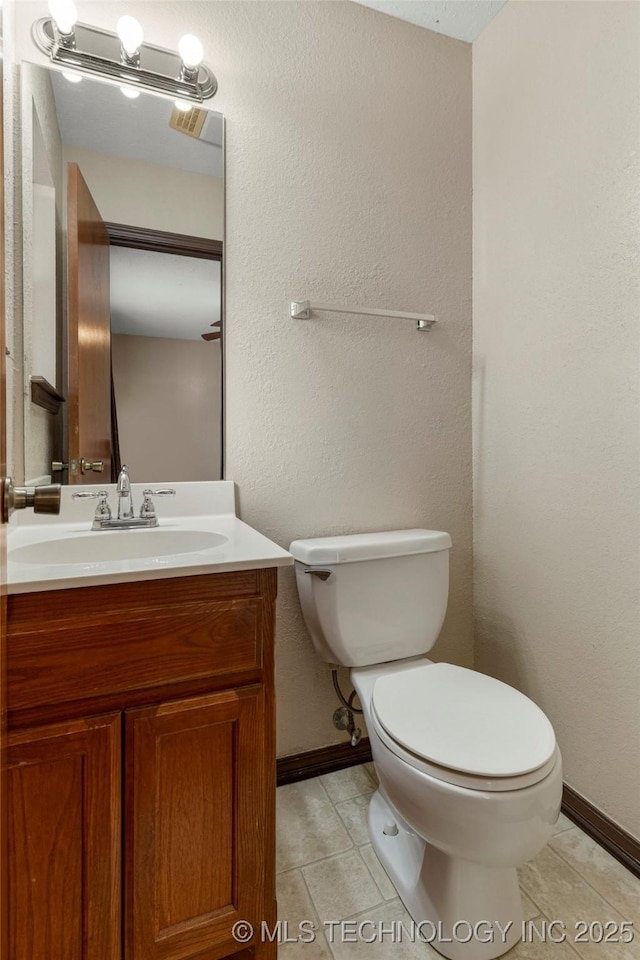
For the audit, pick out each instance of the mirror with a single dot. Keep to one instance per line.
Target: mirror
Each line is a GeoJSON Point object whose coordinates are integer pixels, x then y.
{"type": "Point", "coordinates": [123, 226]}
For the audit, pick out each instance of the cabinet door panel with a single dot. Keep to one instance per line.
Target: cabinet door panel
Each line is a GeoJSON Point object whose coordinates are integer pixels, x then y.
{"type": "Point", "coordinates": [64, 798]}
{"type": "Point", "coordinates": [194, 825]}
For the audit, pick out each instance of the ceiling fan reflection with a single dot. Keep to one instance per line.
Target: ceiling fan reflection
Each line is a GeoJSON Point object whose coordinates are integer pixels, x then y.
{"type": "Point", "coordinates": [215, 334]}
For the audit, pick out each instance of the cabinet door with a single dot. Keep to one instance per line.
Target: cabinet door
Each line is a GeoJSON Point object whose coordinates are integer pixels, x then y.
{"type": "Point", "coordinates": [64, 801]}
{"type": "Point", "coordinates": [195, 824]}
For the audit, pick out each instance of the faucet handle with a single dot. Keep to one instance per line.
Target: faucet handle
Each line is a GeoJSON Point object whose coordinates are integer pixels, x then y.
{"type": "Point", "coordinates": [103, 510]}
{"type": "Point", "coordinates": [89, 494]}
{"type": "Point", "coordinates": [148, 509]}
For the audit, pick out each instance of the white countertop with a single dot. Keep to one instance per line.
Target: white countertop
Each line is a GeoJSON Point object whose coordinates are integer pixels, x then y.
{"type": "Point", "coordinates": [202, 507]}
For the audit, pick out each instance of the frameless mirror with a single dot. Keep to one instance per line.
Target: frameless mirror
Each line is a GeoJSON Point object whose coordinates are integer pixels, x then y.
{"type": "Point", "coordinates": [123, 203]}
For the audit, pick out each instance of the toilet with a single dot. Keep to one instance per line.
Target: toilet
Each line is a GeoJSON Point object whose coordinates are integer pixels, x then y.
{"type": "Point", "coordinates": [469, 769]}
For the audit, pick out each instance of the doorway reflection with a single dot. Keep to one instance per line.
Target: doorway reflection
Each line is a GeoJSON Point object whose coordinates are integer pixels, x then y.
{"type": "Point", "coordinates": [166, 377]}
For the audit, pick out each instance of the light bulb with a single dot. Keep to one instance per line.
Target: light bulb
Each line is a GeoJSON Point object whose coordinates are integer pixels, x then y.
{"type": "Point", "coordinates": [131, 35]}
{"type": "Point", "coordinates": [65, 15]}
{"type": "Point", "coordinates": [191, 51]}
{"type": "Point", "coordinates": [71, 77]}
{"type": "Point", "coordinates": [130, 92]}
{"type": "Point", "coordinates": [183, 105]}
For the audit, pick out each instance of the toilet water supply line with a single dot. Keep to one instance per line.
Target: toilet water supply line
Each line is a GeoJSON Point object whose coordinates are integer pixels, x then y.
{"type": "Point", "coordinates": [343, 718]}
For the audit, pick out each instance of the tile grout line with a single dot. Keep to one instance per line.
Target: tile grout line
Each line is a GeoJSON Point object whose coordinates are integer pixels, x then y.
{"type": "Point", "coordinates": [367, 842]}
{"type": "Point", "coordinates": [353, 839]}
{"type": "Point", "coordinates": [315, 918]}
{"type": "Point", "coordinates": [363, 793]}
{"type": "Point", "coordinates": [543, 916]}
{"type": "Point", "coordinates": [318, 780]}
{"type": "Point", "coordinates": [332, 856]}
{"type": "Point", "coordinates": [308, 863]}
{"type": "Point", "coordinates": [588, 882]}
{"type": "Point", "coordinates": [377, 886]}
{"type": "Point", "coordinates": [311, 863]}
{"type": "Point", "coordinates": [362, 914]}
{"type": "Point", "coordinates": [354, 846]}
{"type": "Point", "coordinates": [579, 875]}
{"type": "Point", "coordinates": [522, 890]}
{"type": "Point", "coordinates": [355, 849]}
{"type": "Point", "coordinates": [572, 826]}
{"type": "Point", "coordinates": [316, 913]}
{"type": "Point", "coordinates": [571, 945]}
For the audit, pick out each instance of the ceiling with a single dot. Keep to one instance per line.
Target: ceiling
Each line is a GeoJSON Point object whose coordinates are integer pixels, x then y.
{"type": "Point", "coordinates": [97, 116]}
{"type": "Point", "coordinates": [163, 295]}
{"type": "Point", "coordinates": [461, 19]}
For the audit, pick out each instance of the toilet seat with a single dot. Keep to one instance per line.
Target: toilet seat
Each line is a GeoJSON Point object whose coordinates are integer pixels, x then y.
{"type": "Point", "coordinates": [463, 727]}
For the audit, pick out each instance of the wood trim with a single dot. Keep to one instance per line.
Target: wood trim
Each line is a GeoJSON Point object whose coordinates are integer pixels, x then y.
{"type": "Point", "coordinates": [338, 756]}
{"type": "Point", "coordinates": [88, 331]}
{"type": "Point", "coordinates": [127, 700]}
{"type": "Point", "coordinates": [600, 828]}
{"type": "Point", "coordinates": [47, 609]}
{"type": "Point", "coordinates": [44, 395]}
{"type": "Point", "coordinates": [161, 241]}
{"type": "Point", "coordinates": [4, 832]}
{"type": "Point", "coordinates": [268, 588]}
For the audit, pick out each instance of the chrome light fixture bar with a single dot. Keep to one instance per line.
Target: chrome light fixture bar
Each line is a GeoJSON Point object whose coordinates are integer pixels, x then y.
{"type": "Point", "coordinates": [97, 52]}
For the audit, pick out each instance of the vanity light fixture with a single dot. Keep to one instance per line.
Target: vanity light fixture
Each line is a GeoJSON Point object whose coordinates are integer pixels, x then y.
{"type": "Point", "coordinates": [190, 49]}
{"type": "Point", "coordinates": [131, 36]}
{"type": "Point", "coordinates": [65, 17]}
{"type": "Point", "coordinates": [123, 58]}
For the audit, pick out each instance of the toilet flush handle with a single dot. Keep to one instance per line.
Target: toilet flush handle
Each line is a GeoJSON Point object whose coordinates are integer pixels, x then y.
{"type": "Point", "coordinates": [317, 572]}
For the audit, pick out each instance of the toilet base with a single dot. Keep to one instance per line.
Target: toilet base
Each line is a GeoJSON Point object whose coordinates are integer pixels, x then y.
{"type": "Point", "coordinates": [465, 910]}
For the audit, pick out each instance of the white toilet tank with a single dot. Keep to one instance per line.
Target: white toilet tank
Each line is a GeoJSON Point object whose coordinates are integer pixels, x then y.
{"type": "Point", "coordinates": [373, 597]}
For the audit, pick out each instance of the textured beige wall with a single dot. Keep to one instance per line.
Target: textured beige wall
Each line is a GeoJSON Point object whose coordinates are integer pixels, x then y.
{"type": "Point", "coordinates": [151, 195]}
{"type": "Point", "coordinates": [33, 152]}
{"type": "Point", "coordinates": [348, 151]}
{"type": "Point", "coordinates": [41, 153]}
{"type": "Point", "coordinates": [168, 406]}
{"type": "Point", "coordinates": [557, 378]}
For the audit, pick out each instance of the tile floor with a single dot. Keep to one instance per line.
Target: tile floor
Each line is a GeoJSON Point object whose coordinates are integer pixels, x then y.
{"type": "Point", "coordinates": [327, 870]}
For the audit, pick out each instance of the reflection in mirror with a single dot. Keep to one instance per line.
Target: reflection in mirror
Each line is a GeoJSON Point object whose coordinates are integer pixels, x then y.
{"type": "Point", "coordinates": [161, 305]}
{"type": "Point", "coordinates": [123, 275]}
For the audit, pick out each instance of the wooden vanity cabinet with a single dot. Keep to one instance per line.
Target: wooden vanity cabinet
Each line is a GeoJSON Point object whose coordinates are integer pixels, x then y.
{"type": "Point", "coordinates": [142, 769]}
{"type": "Point", "coordinates": [64, 797]}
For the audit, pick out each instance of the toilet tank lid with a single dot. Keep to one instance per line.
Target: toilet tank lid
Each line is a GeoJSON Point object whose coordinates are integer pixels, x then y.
{"type": "Point", "coordinates": [369, 546]}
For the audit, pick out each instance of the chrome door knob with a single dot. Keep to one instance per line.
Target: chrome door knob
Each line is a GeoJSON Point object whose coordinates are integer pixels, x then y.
{"type": "Point", "coordinates": [88, 466]}
{"type": "Point", "coordinates": [44, 499]}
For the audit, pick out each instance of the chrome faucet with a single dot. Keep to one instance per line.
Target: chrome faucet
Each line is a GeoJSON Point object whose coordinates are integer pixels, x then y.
{"type": "Point", "coordinates": [103, 520]}
{"type": "Point", "coordinates": [123, 490]}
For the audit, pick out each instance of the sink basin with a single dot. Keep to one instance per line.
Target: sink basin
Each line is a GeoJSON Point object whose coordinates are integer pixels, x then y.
{"type": "Point", "coordinates": [202, 536]}
{"type": "Point", "coordinates": [123, 545]}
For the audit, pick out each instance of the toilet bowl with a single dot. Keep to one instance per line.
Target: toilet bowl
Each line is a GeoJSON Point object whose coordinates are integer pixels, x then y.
{"type": "Point", "coordinates": [451, 841]}
{"type": "Point", "coordinates": [469, 770]}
